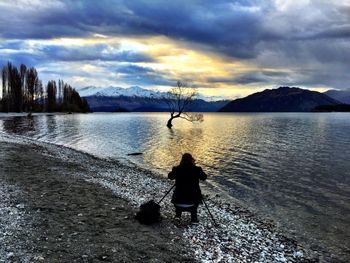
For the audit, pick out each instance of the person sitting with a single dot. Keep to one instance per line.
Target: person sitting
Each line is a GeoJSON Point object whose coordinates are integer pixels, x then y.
{"type": "Point", "coordinates": [187, 194]}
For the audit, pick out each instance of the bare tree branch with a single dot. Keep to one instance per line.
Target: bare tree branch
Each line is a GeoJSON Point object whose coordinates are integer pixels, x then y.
{"type": "Point", "coordinates": [179, 100]}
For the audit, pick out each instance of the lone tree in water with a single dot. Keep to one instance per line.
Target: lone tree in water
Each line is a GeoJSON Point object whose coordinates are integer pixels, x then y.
{"type": "Point", "coordinates": [179, 100]}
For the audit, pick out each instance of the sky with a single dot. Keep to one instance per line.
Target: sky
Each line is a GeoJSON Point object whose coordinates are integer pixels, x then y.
{"type": "Point", "coordinates": [224, 48]}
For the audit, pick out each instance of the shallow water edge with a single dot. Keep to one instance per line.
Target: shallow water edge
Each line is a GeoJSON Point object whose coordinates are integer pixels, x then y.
{"type": "Point", "coordinates": [241, 237]}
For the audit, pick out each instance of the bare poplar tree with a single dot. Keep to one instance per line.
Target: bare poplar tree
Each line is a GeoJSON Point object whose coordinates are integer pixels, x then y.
{"type": "Point", "coordinates": [5, 103]}
{"type": "Point", "coordinates": [179, 100]}
{"type": "Point", "coordinates": [23, 73]}
{"type": "Point", "coordinates": [32, 86]}
{"type": "Point", "coordinates": [23, 90]}
{"type": "Point", "coordinates": [51, 90]}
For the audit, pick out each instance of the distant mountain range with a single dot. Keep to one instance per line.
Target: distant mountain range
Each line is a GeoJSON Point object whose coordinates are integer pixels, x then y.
{"type": "Point", "coordinates": [138, 99]}
{"type": "Point", "coordinates": [134, 91]}
{"type": "Point", "coordinates": [340, 95]}
{"type": "Point", "coordinates": [283, 99]}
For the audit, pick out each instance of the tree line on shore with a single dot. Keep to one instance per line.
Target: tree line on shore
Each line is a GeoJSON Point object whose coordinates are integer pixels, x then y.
{"type": "Point", "coordinates": [23, 91]}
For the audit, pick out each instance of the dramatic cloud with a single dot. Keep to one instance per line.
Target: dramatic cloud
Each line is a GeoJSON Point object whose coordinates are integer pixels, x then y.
{"type": "Point", "coordinates": [93, 52]}
{"type": "Point", "coordinates": [138, 75]}
{"type": "Point", "coordinates": [236, 46]}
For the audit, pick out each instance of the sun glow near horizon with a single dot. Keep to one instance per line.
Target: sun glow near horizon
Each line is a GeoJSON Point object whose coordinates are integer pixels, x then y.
{"type": "Point", "coordinates": [222, 48]}
{"type": "Point", "coordinates": [212, 74]}
{"type": "Point", "coordinates": [171, 59]}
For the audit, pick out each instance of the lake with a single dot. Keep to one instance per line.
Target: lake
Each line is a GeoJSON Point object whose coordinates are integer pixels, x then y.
{"type": "Point", "coordinates": [291, 167]}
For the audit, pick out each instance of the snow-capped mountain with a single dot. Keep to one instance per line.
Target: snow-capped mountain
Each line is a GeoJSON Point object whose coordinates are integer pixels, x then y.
{"type": "Point", "coordinates": [88, 91]}
{"type": "Point", "coordinates": [138, 99]}
{"type": "Point", "coordinates": [134, 91]}
{"type": "Point", "coordinates": [117, 91]}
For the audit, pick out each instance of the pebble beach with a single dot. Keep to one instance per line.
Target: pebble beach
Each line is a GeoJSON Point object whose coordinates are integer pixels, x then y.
{"type": "Point", "coordinates": [61, 205]}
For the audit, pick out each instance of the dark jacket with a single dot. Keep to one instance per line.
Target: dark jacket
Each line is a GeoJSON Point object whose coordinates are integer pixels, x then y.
{"type": "Point", "coordinates": [187, 190]}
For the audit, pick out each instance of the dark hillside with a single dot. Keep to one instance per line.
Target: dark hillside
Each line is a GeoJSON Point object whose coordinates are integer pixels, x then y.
{"type": "Point", "coordinates": [283, 99]}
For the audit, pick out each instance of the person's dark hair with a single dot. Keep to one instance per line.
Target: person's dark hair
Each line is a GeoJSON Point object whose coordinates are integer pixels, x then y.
{"type": "Point", "coordinates": [187, 159]}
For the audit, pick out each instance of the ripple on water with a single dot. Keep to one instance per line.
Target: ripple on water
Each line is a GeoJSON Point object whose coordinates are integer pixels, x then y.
{"type": "Point", "coordinates": [292, 167]}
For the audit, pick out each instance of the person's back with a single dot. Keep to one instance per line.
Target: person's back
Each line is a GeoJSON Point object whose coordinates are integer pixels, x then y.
{"type": "Point", "coordinates": [187, 194]}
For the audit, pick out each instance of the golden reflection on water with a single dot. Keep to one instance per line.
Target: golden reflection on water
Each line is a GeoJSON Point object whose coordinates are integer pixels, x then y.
{"type": "Point", "coordinates": [202, 141]}
{"type": "Point", "coordinates": [273, 162]}
{"type": "Point", "coordinates": [174, 143]}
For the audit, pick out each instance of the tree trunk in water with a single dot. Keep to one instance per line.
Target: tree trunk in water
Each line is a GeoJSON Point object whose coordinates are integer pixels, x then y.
{"type": "Point", "coordinates": [169, 124]}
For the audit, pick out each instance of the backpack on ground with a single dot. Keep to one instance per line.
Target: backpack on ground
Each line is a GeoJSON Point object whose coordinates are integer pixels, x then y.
{"type": "Point", "coordinates": [149, 213]}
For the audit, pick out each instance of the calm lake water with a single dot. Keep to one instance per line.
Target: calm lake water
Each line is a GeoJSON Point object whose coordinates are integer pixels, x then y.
{"type": "Point", "coordinates": [292, 167]}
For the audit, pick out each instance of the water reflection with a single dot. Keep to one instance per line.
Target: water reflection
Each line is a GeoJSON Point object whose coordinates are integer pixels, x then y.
{"type": "Point", "coordinates": [51, 124]}
{"type": "Point", "coordinates": [172, 145]}
{"type": "Point", "coordinates": [20, 125]}
{"type": "Point", "coordinates": [292, 167]}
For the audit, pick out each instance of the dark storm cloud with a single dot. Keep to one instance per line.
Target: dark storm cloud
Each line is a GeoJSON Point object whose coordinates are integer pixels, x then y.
{"type": "Point", "coordinates": [321, 77]}
{"type": "Point", "coordinates": [234, 28]}
{"type": "Point", "coordinates": [14, 45]}
{"type": "Point", "coordinates": [279, 34]}
{"type": "Point", "coordinates": [93, 52]}
{"type": "Point", "coordinates": [19, 58]}
{"type": "Point", "coordinates": [147, 79]}
{"type": "Point", "coordinates": [231, 29]}
{"type": "Point", "coordinates": [17, 52]}
{"type": "Point", "coordinates": [134, 69]}
{"type": "Point", "coordinates": [251, 78]}
{"type": "Point", "coordinates": [234, 31]}
{"type": "Point", "coordinates": [335, 32]}
{"type": "Point", "coordinates": [220, 80]}
{"type": "Point", "coordinates": [138, 75]}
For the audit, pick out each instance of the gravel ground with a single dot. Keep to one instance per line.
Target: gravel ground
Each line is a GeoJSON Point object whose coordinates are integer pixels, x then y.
{"type": "Point", "coordinates": [49, 213]}
{"type": "Point", "coordinates": [68, 206]}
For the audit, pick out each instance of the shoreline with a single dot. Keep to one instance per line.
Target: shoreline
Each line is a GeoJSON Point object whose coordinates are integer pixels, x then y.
{"type": "Point", "coordinates": [242, 237]}
{"type": "Point", "coordinates": [50, 213]}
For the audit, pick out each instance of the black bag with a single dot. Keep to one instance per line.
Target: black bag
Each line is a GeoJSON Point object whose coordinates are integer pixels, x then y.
{"type": "Point", "coordinates": [149, 213]}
